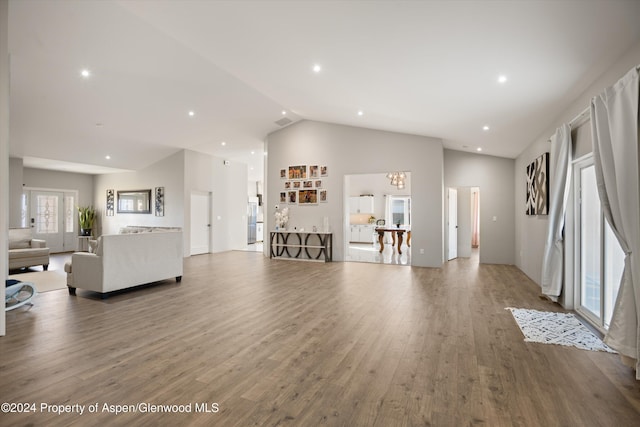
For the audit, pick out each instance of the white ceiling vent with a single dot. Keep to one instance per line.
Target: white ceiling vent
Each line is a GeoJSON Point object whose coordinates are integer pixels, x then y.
{"type": "Point", "coordinates": [283, 121]}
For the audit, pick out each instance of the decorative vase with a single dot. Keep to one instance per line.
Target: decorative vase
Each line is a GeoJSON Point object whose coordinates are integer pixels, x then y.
{"type": "Point", "coordinates": [85, 232]}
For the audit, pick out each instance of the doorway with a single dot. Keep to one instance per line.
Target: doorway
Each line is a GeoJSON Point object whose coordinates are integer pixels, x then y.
{"type": "Point", "coordinates": [463, 223]}
{"type": "Point", "coordinates": [372, 202]}
{"type": "Point", "coordinates": [200, 223]}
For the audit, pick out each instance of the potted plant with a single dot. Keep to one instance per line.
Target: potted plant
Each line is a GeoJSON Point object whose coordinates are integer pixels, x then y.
{"type": "Point", "coordinates": [86, 216]}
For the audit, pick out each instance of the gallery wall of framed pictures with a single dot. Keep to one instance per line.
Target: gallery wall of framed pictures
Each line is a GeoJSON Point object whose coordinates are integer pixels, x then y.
{"type": "Point", "coordinates": [303, 185]}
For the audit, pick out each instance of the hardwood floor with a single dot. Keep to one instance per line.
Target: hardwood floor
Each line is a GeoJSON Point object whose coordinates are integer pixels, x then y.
{"type": "Point", "coordinates": [276, 342]}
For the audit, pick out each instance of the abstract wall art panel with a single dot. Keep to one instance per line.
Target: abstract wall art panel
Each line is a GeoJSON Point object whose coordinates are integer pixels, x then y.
{"type": "Point", "coordinates": [538, 186]}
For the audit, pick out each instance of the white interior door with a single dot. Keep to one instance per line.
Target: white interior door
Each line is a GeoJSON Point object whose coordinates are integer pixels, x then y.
{"type": "Point", "coordinates": [200, 223]}
{"type": "Point", "coordinates": [453, 223]}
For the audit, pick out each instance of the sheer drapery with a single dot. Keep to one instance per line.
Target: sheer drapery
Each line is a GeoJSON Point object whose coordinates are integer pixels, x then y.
{"type": "Point", "coordinates": [553, 258]}
{"type": "Point", "coordinates": [388, 216]}
{"type": "Point", "coordinates": [614, 124]}
{"type": "Point", "coordinates": [475, 225]}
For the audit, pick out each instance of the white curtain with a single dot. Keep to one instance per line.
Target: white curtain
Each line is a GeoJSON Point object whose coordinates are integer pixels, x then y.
{"type": "Point", "coordinates": [614, 125]}
{"type": "Point", "coordinates": [388, 216]}
{"type": "Point", "coordinates": [475, 221]}
{"type": "Point", "coordinates": [553, 258]}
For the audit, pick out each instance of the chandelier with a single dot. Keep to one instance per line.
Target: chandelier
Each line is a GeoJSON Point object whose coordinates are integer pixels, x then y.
{"type": "Point", "coordinates": [397, 179]}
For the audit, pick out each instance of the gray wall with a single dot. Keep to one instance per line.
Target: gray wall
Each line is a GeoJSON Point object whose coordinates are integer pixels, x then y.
{"type": "Point", "coordinates": [228, 186]}
{"type": "Point", "coordinates": [494, 177]}
{"type": "Point", "coordinates": [180, 174]}
{"type": "Point", "coordinates": [347, 150]}
{"type": "Point", "coordinates": [531, 230]}
{"type": "Point", "coordinates": [167, 173]}
{"type": "Point", "coordinates": [4, 144]}
{"type": "Point", "coordinates": [16, 179]}
{"type": "Point", "coordinates": [48, 179]}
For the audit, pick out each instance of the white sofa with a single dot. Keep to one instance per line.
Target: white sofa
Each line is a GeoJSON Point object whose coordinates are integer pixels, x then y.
{"type": "Point", "coordinates": [24, 251]}
{"type": "Point", "coordinates": [123, 261]}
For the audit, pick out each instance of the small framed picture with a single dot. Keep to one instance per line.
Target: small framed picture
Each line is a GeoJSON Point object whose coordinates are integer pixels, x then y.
{"type": "Point", "coordinates": [296, 184]}
{"type": "Point", "coordinates": [283, 173]}
{"type": "Point", "coordinates": [283, 197]}
{"type": "Point", "coordinates": [159, 203]}
{"type": "Point", "coordinates": [313, 171]}
{"type": "Point", "coordinates": [308, 197]}
{"type": "Point", "coordinates": [323, 171]}
{"type": "Point", "coordinates": [318, 183]}
{"type": "Point", "coordinates": [287, 185]}
{"type": "Point", "coordinates": [298, 172]}
{"type": "Point", "coordinates": [323, 196]}
{"type": "Point", "coordinates": [293, 197]}
{"type": "Point", "coordinates": [307, 184]}
{"type": "Point", "coordinates": [110, 202]}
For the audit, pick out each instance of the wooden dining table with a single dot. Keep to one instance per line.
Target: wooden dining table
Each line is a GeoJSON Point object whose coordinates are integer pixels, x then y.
{"type": "Point", "coordinates": [393, 230]}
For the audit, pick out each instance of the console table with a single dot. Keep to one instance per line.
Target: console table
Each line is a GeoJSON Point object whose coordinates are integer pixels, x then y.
{"type": "Point", "coordinates": [301, 245]}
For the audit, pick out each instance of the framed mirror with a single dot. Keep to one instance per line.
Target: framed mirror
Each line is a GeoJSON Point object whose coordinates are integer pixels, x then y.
{"type": "Point", "coordinates": [134, 201]}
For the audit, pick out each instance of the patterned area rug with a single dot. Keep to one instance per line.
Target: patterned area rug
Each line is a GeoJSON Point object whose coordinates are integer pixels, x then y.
{"type": "Point", "coordinates": [556, 328]}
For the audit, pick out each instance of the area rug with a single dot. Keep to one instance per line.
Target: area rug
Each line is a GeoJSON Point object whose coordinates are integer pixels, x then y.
{"type": "Point", "coordinates": [556, 328]}
{"type": "Point", "coordinates": [44, 281]}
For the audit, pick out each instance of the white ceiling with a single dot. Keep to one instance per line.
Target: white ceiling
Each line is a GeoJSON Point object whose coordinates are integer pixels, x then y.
{"type": "Point", "coordinates": [426, 68]}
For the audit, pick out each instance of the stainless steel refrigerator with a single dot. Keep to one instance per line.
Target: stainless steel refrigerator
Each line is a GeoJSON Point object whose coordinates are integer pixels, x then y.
{"type": "Point", "coordinates": [252, 216]}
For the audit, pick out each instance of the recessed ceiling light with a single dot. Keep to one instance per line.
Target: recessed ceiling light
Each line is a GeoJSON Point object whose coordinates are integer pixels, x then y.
{"type": "Point", "coordinates": [284, 113]}
{"type": "Point", "coordinates": [253, 152]}
{"type": "Point", "coordinates": [479, 149]}
{"type": "Point", "coordinates": [192, 113]}
{"type": "Point", "coordinates": [485, 127]}
{"type": "Point", "coordinates": [223, 143]}
{"type": "Point", "coordinates": [360, 113]}
{"type": "Point", "coordinates": [108, 157]}
{"type": "Point", "coordinates": [317, 68]}
{"type": "Point", "coordinates": [85, 73]}
{"type": "Point", "coordinates": [502, 78]}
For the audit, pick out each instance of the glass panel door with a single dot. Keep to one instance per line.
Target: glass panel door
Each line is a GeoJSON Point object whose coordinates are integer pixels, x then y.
{"type": "Point", "coordinates": [590, 232]}
{"type": "Point", "coordinates": [52, 217]}
{"type": "Point", "coordinates": [601, 260]}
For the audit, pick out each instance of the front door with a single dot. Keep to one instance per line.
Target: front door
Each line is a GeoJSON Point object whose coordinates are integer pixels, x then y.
{"type": "Point", "coordinates": [52, 218]}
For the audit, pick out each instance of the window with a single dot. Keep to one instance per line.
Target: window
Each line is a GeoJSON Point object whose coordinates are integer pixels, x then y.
{"type": "Point", "coordinates": [401, 210]}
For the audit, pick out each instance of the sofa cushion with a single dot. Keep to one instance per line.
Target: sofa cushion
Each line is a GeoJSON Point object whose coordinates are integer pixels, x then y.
{"type": "Point", "coordinates": [28, 253]}
{"type": "Point", "coordinates": [19, 238]}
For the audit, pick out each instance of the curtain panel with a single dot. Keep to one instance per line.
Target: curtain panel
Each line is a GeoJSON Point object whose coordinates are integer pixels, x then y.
{"type": "Point", "coordinates": [614, 124]}
{"type": "Point", "coordinates": [553, 257]}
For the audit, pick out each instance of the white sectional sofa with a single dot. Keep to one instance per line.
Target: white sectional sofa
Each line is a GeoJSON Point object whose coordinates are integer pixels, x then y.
{"type": "Point", "coordinates": [121, 261]}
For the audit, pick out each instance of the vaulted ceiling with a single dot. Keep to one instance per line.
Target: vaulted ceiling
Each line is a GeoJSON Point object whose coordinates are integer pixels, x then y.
{"type": "Point", "coordinates": [420, 67]}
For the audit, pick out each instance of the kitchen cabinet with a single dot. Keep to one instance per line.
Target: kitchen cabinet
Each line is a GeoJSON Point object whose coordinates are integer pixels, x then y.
{"type": "Point", "coordinates": [361, 205]}
{"type": "Point", "coordinates": [361, 233]}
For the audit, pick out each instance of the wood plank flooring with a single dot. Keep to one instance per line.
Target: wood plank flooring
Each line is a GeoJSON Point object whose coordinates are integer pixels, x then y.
{"type": "Point", "coordinates": [276, 342]}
